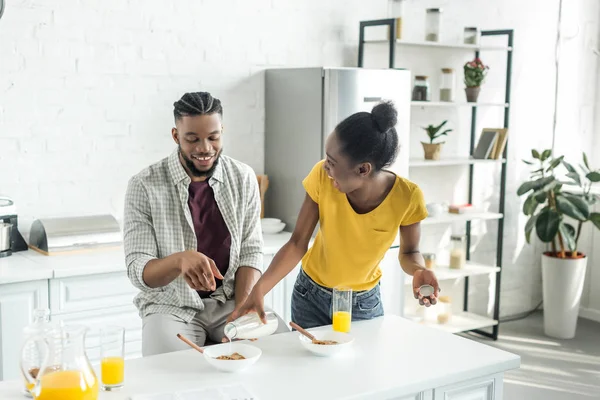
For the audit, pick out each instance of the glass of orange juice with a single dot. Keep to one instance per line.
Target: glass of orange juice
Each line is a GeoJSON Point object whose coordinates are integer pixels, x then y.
{"type": "Point", "coordinates": [342, 309]}
{"type": "Point", "coordinates": [112, 362]}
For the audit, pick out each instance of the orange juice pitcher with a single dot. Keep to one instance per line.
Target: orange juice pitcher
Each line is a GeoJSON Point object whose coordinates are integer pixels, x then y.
{"type": "Point", "coordinates": [65, 372]}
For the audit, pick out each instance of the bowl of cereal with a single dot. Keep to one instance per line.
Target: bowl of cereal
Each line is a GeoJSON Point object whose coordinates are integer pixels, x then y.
{"type": "Point", "coordinates": [232, 357]}
{"type": "Point", "coordinates": [327, 343]}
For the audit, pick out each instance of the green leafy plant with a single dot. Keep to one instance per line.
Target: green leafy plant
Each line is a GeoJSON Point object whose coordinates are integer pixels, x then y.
{"type": "Point", "coordinates": [475, 73]}
{"type": "Point", "coordinates": [433, 132]}
{"type": "Point", "coordinates": [553, 208]}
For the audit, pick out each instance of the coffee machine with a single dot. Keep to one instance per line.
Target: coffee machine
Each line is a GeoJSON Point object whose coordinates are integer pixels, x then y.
{"type": "Point", "coordinates": [8, 215]}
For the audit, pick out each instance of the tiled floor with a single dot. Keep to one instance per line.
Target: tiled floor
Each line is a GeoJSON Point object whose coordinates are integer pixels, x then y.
{"type": "Point", "coordinates": [550, 369]}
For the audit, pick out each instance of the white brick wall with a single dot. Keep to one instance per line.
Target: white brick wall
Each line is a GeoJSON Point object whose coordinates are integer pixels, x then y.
{"type": "Point", "coordinates": [87, 86]}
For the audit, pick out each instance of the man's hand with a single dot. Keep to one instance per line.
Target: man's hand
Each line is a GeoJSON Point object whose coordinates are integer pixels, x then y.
{"type": "Point", "coordinates": [425, 277]}
{"type": "Point", "coordinates": [198, 270]}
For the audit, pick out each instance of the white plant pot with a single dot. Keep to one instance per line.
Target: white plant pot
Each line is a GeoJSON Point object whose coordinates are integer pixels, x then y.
{"type": "Point", "coordinates": [562, 281]}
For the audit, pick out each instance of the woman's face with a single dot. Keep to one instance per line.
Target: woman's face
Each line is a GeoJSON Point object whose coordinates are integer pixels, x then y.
{"type": "Point", "coordinates": [346, 175]}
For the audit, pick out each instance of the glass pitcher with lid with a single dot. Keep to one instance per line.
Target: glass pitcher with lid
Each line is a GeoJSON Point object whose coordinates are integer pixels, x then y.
{"type": "Point", "coordinates": [65, 372]}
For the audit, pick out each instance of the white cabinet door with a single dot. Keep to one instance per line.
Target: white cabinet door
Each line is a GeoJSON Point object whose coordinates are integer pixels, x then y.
{"type": "Point", "coordinates": [91, 292]}
{"type": "Point", "coordinates": [17, 302]}
{"type": "Point", "coordinates": [392, 286]}
{"type": "Point", "coordinates": [428, 395]}
{"type": "Point", "coordinates": [126, 317]}
{"type": "Point", "coordinates": [487, 388]}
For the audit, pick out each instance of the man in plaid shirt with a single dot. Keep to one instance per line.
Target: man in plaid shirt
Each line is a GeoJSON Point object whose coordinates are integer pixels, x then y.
{"type": "Point", "coordinates": [192, 237]}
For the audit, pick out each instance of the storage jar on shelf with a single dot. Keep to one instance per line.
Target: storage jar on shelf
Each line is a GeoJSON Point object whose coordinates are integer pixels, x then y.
{"type": "Point", "coordinates": [429, 260]}
{"type": "Point", "coordinates": [458, 251]}
{"type": "Point", "coordinates": [444, 306]}
{"type": "Point", "coordinates": [471, 35]}
{"type": "Point", "coordinates": [421, 89]}
{"type": "Point", "coordinates": [447, 85]}
{"type": "Point", "coordinates": [433, 22]}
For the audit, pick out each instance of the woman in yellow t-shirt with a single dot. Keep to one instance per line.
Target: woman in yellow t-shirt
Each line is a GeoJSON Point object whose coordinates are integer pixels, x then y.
{"type": "Point", "coordinates": [360, 208]}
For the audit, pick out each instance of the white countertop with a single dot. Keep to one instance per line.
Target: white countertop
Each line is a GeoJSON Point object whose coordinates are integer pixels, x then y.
{"type": "Point", "coordinates": [30, 265]}
{"type": "Point", "coordinates": [383, 363]}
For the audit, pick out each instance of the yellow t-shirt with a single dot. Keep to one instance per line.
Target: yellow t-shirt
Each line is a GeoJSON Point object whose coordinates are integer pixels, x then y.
{"type": "Point", "coordinates": [349, 246]}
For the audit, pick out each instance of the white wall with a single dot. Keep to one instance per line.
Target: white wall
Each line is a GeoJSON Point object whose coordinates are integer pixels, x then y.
{"type": "Point", "coordinates": [87, 87]}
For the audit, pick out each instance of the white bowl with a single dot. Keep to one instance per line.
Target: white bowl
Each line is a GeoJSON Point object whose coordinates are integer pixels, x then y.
{"type": "Point", "coordinates": [273, 228]}
{"type": "Point", "coordinates": [251, 353]}
{"type": "Point", "coordinates": [327, 350]}
{"type": "Point", "coordinates": [270, 221]}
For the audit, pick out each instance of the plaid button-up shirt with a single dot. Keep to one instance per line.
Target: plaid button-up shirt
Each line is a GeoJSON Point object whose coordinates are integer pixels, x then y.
{"type": "Point", "coordinates": [158, 223]}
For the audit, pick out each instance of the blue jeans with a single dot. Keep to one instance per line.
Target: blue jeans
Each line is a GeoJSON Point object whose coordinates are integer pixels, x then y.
{"type": "Point", "coordinates": [312, 304]}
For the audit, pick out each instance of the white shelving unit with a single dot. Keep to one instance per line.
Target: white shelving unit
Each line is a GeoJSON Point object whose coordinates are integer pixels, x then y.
{"type": "Point", "coordinates": [449, 218]}
{"type": "Point", "coordinates": [460, 322]}
{"type": "Point", "coordinates": [444, 273]}
{"type": "Point", "coordinates": [420, 162]}
{"type": "Point", "coordinates": [454, 104]}
{"type": "Point", "coordinates": [464, 321]}
{"type": "Point", "coordinates": [454, 46]}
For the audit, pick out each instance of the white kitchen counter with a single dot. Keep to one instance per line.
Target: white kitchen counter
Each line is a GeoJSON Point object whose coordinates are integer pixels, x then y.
{"type": "Point", "coordinates": [30, 265]}
{"type": "Point", "coordinates": [383, 364]}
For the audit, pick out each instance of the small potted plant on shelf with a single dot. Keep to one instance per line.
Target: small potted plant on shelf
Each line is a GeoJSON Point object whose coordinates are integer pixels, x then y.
{"type": "Point", "coordinates": [432, 150]}
{"type": "Point", "coordinates": [475, 73]}
{"type": "Point", "coordinates": [557, 210]}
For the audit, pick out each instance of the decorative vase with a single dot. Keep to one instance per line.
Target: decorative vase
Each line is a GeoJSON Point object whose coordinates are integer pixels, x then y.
{"type": "Point", "coordinates": [472, 94]}
{"type": "Point", "coordinates": [562, 284]}
{"type": "Point", "coordinates": [432, 150]}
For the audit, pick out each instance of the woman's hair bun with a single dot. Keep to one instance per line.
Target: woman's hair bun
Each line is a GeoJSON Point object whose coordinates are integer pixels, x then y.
{"type": "Point", "coordinates": [385, 116]}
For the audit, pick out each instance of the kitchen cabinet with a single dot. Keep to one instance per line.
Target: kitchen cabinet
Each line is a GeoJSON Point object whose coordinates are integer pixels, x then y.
{"type": "Point", "coordinates": [90, 289]}
{"type": "Point", "coordinates": [419, 396]}
{"type": "Point", "coordinates": [96, 301]}
{"type": "Point", "coordinates": [486, 388]}
{"type": "Point", "coordinates": [85, 293]}
{"type": "Point", "coordinates": [17, 302]}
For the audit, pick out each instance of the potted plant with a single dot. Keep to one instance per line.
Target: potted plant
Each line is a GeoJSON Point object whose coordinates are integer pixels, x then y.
{"type": "Point", "coordinates": [557, 211]}
{"type": "Point", "coordinates": [475, 73]}
{"type": "Point", "coordinates": [432, 150]}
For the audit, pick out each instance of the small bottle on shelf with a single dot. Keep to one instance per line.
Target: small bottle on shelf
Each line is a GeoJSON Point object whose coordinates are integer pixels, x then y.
{"type": "Point", "coordinates": [447, 85]}
{"type": "Point", "coordinates": [471, 35]}
{"type": "Point", "coordinates": [458, 251]}
{"type": "Point", "coordinates": [433, 21]}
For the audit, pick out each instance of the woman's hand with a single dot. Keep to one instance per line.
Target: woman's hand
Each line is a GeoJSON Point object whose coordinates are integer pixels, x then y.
{"type": "Point", "coordinates": [255, 302]}
{"type": "Point", "coordinates": [425, 277]}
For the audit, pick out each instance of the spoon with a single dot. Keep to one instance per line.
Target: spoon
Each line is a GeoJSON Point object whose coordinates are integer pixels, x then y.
{"type": "Point", "coordinates": [309, 335]}
{"type": "Point", "coordinates": [190, 343]}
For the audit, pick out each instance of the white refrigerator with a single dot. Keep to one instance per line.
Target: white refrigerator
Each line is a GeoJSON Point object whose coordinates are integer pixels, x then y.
{"type": "Point", "coordinates": [303, 106]}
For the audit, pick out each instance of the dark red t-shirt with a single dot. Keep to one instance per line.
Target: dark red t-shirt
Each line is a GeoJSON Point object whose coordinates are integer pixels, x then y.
{"type": "Point", "coordinates": [214, 239]}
